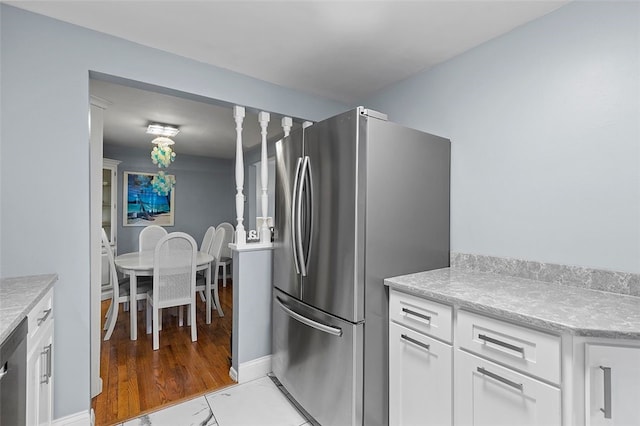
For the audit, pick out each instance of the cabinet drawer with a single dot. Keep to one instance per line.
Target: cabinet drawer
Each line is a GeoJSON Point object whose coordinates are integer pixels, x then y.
{"type": "Point", "coordinates": [420, 379]}
{"type": "Point", "coordinates": [423, 315]}
{"type": "Point", "coordinates": [489, 394]}
{"type": "Point", "coordinates": [41, 315]}
{"type": "Point", "coordinates": [522, 348]}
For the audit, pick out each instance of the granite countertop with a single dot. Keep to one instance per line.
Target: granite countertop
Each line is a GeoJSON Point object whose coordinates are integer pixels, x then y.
{"type": "Point", "coordinates": [18, 296]}
{"type": "Point", "coordinates": [554, 307]}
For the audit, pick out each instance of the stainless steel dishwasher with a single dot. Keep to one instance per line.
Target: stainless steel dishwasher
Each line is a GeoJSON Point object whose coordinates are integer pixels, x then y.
{"type": "Point", "coordinates": [13, 377]}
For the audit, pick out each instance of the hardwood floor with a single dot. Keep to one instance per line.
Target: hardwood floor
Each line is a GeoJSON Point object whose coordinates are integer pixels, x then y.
{"type": "Point", "coordinates": [137, 379]}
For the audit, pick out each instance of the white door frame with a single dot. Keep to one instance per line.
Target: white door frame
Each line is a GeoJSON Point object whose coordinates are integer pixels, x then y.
{"type": "Point", "coordinates": [96, 124]}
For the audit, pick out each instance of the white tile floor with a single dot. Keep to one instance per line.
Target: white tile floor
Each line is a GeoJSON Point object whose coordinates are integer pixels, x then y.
{"type": "Point", "coordinates": [258, 402]}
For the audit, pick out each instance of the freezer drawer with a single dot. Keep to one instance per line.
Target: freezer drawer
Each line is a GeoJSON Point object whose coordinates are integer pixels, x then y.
{"type": "Point", "coordinates": [318, 359]}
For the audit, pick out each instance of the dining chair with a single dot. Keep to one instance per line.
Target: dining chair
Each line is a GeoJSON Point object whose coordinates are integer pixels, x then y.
{"type": "Point", "coordinates": [205, 246]}
{"type": "Point", "coordinates": [174, 281]}
{"type": "Point", "coordinates": [120, 289]}
{"type": "Point", "coordinates": [225, 253]}
{"type": "Point", "coordinates": [215, 250]}
{"type": "Point", "coordinates": [149, 237]}
{"type": "Point", "coordinates": [207, 239]}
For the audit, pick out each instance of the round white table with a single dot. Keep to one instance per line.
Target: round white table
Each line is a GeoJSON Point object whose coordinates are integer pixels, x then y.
{"type": "Point", "coordinates": [140, 264]}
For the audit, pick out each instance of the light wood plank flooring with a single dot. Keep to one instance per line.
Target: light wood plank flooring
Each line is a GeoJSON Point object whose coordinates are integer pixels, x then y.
{"type": "Point", "coordinates": [137, 379]}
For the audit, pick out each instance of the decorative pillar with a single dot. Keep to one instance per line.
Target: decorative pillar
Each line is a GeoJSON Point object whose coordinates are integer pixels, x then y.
{"type": "Point", "coordinates": [265, 233]}
{"type": "Point", "coordinates": [241, 234]}
{"type": "Point", "coordinates": [287, 122]}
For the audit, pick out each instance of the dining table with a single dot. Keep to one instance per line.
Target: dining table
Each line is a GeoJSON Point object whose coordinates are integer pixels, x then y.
{"type": "Point", "coordinates": [140, 264]}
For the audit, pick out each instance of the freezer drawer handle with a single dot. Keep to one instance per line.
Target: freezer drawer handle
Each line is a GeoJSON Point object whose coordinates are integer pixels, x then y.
{"type": "Point", "coordinates": [501, 379]}
{"type": "Point", "coordinates": [414, 341]}
{"type": "Point", "coordinates": [311, 323]}
{"type": "Point", "coordinates": [501, 343]}
{"type": "Point", "coordinates": [607, 392]}
{"type": "Point", "coordinates": [416, 314]}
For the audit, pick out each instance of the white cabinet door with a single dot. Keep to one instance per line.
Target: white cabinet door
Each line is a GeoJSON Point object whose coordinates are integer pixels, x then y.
{"type": "Point", "coordinates": [491, 395]}
{"type": "Point", "coordinates": [420, 379]}
{"type": "Point", "coordinates": [40, 378]}
{"type": "Point", "coordinates": [612, 385]}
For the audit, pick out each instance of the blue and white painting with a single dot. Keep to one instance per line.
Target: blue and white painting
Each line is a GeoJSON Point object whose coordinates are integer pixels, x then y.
{"type": "Point", "coordinates": [144, 204]}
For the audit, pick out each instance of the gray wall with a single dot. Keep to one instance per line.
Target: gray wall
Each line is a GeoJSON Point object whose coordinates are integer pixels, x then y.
{"type": "Point", "coordinates": [204, 192]}
{"type": "Point", "coordinates": [544, 124]}
{"type": "Point", "coordinates": [44, 166]}
{"type": "Point", "coordinates": [251, 306]}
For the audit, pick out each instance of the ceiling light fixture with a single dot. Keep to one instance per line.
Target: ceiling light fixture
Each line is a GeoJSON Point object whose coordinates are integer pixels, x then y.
{"type": "Point", "coordinates": [162, 155]}
{"type": "Point", "coordinates": [162, 130]}
{"type": "Point", "coordinates": [163, 141]}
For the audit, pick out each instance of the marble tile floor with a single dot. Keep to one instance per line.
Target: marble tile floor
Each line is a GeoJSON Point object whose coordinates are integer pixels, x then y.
{"type": "Point", "coordinates": [258, 402]}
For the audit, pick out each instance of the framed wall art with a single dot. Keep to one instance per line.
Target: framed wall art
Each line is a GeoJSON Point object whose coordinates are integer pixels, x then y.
{"type": "Point", "coordinates": [148, 199]}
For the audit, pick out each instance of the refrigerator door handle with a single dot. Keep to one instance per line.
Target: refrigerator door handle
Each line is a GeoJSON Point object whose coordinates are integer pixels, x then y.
{"type": "Point", "coordinates": [308, 181]}
{"type": "Point", "coordinates": [307, 321]}
{"type": "Point", "coordinates": [298, 218]}
{"type": "Point", "coordinates": [294, 209]}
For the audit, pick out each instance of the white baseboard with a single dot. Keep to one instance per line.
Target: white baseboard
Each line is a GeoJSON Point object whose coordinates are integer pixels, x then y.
{"type": "Point", "coordinates": [251, 370]}
{"type": "Point", "coordinates": [82, 418]}
{"type": "Point", "coordinates": [233, 374]}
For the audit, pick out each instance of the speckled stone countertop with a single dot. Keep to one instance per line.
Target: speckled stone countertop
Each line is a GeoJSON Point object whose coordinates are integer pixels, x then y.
{"type": "Point", "coordinates": [18, 296]}
{"type": "Point", "coordinates": [550, 306]}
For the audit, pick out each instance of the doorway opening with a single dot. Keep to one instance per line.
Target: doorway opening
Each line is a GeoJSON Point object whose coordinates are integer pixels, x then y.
{"type": "Point", "coordinates": [128, 378]}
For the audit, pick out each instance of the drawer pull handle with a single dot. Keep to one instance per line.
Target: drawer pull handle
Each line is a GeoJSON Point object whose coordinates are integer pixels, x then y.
{"type": "Point", "coordinates": [416, 314]}
{"type": "Point", "coordinates": [501, 343]}
{"type": "Point", "coordinates": [47, 374]}
{"type": "Point", "coordinates": [607, 392]}
{"type": "Point", "coordinates": [44, 317]}
{"type": "Point", "coordinates": [415, 342]}
{"type": "Point", "coordinates": [501, 379]}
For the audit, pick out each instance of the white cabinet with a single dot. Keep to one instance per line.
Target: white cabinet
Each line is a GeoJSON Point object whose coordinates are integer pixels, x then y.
{"type": "Point", "coordinates": [419, 379]}
{"type": "Point", "coordinates": [109, 213]}
{"type": "Point", "coordinates": [497, 367]}
{"type": "Point", "coordinates": [521, 348]}
{"type": "Point", "coordinates": [420, 375]}
{"type": "Point", "coordinates": [612, 385]}
{"type": "Point", "coordinates": [40, 352]}
{"type": "Point", "coordinates": [492, 395]}
{"type": "Point", "coordinates": [450, 365]}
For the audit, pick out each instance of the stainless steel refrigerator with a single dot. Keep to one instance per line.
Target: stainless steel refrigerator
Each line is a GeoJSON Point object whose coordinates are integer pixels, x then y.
{"type": "Point", "coordinates": [358, 199]}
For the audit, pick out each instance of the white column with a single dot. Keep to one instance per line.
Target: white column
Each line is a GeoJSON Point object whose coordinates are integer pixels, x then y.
{"type": "Point", "coordinates": [287, 122]}
{"type": "Point", "coordinates": [241, 234]}
{"type": "Point", "coordinates": [265, 233]}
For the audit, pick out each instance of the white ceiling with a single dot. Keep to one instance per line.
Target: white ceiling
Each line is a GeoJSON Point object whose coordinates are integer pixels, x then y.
{"type": "Point", "coordinates": [206, 129]}
{"type": "Point", "coordinates": [341, 50]}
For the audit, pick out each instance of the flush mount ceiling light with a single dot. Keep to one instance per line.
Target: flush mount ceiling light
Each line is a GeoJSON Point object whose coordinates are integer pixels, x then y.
{"type": "Point", "coordinates": [162, 130]}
